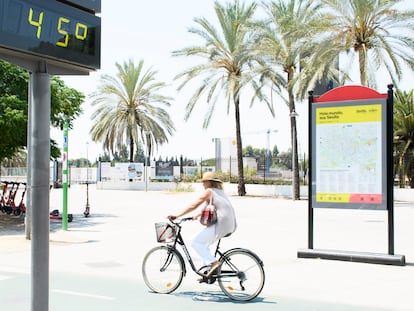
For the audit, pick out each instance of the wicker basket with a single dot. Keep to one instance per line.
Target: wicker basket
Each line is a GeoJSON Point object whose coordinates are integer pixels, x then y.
{"type": "Point", "coordinates": [165, 232]}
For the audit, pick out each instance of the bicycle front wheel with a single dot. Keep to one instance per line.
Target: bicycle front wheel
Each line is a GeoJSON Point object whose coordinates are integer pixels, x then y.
{"type": "Point", "coordinates": [163, 269]}
{"type": "Point", "coordinates": [241, 275]}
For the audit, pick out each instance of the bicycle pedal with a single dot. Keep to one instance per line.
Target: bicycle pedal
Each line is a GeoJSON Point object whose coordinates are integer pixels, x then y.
{"type": "Point", "coordinates": [208, 280]}
{"type": "Point", "coordinates": [202, 280]}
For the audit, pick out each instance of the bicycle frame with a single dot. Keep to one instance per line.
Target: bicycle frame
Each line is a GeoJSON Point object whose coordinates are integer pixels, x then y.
{"type": "Point", "coordinates": [222, 256]}
{"type": "Point", "coordinates": [179, 240]}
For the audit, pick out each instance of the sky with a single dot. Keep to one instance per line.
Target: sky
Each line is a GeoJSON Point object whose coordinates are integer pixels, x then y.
{"type": "Point", "coordinates": [151, 30]}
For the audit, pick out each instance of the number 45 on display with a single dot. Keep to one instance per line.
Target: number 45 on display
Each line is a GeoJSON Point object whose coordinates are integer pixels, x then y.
{"type": "Point", "coordinates": [81, 30]}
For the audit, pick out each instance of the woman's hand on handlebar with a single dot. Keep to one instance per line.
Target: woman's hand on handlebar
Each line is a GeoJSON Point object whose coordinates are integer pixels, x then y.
{"type": "Point", "coordinates": [195, 217]}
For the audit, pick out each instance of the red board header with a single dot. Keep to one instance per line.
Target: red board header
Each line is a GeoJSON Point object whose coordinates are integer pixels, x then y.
{"type": "Point", "coordinates": [349, 92]}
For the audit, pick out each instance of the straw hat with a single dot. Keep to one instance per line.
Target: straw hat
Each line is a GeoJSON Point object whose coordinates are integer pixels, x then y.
{"type": "Point", "coordinates": [211, 177]}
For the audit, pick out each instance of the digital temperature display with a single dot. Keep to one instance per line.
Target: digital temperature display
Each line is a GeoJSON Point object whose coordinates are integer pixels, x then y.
{"type": "Point", "coordinates": [51, 29]}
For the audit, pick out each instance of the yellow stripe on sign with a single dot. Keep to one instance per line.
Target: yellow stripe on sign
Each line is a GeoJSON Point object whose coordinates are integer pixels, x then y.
{"type": "Point", "coordinates": [333, 197]}
{"type": "Point", "coordinates": [348, 114]}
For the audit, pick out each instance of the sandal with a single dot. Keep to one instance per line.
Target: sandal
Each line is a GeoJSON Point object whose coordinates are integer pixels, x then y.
{"type": "Point", "coordinates": [214, 266]}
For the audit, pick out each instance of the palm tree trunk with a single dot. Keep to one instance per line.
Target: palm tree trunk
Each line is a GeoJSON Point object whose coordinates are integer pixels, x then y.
{"type": "Point", "coordinates": [403, 165]}
{"type": "Point", "coordinates": [131, 152]}
{"type": "Point", "coordinates": [241, 188]}
{"type": "Point", "coordinates": [363, 66]}
{"type": "Point", "coordinates": [131, 149]}
{"type": "Point", "coordinates": [293, 132]}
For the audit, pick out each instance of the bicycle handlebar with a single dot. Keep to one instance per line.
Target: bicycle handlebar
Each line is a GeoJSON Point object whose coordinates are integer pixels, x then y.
{"type": "Point", "coordinates": [179, 221]}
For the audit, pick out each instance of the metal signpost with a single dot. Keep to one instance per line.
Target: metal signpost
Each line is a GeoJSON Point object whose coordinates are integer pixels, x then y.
{"type": "Point", "coordinates": [351, 160]}
{"type": "Point", "coordinates": [46, 37]}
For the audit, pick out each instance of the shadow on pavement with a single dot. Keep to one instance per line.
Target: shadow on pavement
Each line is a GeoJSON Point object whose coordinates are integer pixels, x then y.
{"type": "Point", "coordinates": [15, 225]}
{"type": "Point", "coordinates": [11, 225]}
{"type": "Point", "coordinates": [219, 297]}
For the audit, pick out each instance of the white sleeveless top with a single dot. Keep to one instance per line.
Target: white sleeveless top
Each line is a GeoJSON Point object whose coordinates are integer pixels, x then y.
{"type": "Point", "coordinates": [226, 217]}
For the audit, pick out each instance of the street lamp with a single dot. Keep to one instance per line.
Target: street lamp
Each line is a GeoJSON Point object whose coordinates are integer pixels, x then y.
{"type": "Point", "coordinates": [146, 158]}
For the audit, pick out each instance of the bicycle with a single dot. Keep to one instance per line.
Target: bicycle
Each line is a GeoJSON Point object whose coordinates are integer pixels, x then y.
{"type": "Point", "coordinates": [240, 276]}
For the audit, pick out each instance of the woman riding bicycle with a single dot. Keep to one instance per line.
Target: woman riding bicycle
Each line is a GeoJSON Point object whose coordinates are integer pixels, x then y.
{"type": "Point", "coordinates": [226, 219]}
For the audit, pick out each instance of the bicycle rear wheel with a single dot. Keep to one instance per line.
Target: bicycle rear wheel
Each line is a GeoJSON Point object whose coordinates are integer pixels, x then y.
{"type": "Point", "coordinates": [241, 275]}
{"type": "Point", "coordinates": [163, 269]}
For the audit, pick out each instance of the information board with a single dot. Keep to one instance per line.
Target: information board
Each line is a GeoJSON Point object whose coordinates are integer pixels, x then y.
{"type": "Point", "coordinates": [349, 154]}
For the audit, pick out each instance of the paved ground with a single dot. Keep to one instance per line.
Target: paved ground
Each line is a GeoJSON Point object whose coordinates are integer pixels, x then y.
{"type": "Point", "coordinates": [112, 242]}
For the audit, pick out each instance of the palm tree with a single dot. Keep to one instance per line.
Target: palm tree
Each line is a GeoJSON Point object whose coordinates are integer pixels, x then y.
{"type": "Point", "coordinates": [129, 108]}
{"type": "Point", "coordinates": [289, 35]}
{"type": "Point", "coordinates": [404, 134]}
{"type": "Point", "coordinates": [229, 54]}
{"type": "Point", "coordinates": [379, 34]}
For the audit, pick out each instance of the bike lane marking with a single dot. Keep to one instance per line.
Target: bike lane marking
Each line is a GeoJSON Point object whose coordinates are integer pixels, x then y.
{"type": "Point", "coordinates": [73, 293]}
{"type": "Point", "coordinates": [4, 277]}
{"type": "Point", "coordinates": [6, 272]}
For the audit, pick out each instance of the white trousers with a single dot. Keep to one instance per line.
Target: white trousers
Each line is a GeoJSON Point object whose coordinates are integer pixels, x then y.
{"type": "Point", "coordinates": [202, 242]}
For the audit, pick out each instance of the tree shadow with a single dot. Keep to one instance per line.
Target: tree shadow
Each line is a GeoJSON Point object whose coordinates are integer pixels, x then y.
{"type": "Point", "coordinates": [80, 222]}
{"type": "Point", "coordinates": [11, 225]}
